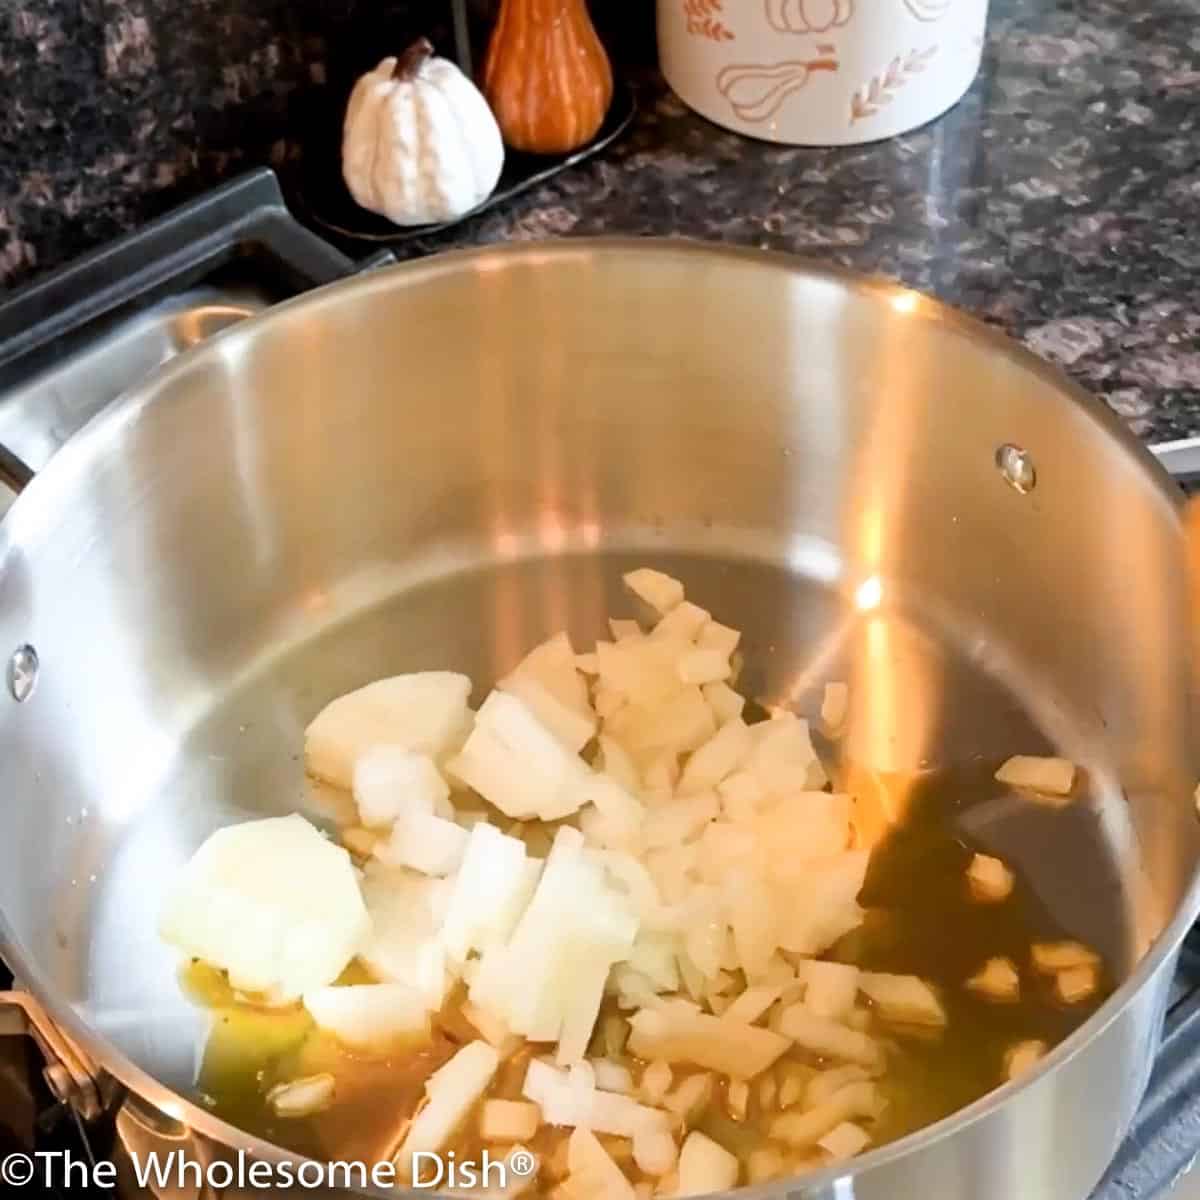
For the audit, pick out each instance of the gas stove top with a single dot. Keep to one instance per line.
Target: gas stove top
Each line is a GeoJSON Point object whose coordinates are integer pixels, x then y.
{"type": "Point", "coordinates": [78, 339]}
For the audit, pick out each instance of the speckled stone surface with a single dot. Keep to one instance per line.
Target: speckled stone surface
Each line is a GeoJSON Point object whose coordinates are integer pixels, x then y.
{"type": "Point", "coordinates": [1060, 200]}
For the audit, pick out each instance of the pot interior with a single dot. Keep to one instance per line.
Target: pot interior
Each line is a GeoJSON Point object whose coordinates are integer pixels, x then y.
{"type": "Point", "coordinates": [440, 465]}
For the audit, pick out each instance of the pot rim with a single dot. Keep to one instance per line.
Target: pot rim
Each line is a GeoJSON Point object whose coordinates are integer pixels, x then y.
{"type": "Point", "coordinates": [918, 306]}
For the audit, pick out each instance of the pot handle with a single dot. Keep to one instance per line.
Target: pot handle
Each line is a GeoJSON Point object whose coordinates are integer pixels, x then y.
{"type": "Point", "coordinates": [1181, 459]}
{"type": "Point", "coordinates": [174, 251]}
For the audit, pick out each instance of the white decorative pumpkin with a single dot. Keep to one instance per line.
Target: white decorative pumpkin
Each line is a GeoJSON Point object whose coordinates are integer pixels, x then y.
{"type": "Point", "coordinates": [419, 144]}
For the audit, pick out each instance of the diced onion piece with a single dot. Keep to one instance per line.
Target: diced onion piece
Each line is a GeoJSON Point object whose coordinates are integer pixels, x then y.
{"type": "Point", "coordinates": [716, 759]}
{"type": "Point", "coordinates": [845, 1141]}
{"type": "Point", "coordinates": [490, 892]}
{"type": "Point", "coordinates": [691, 1097]}
{"type": "Point", "coordinates": [705, 1166]}
{"type": "Point", "coordinates": [997, 979]}
{"type": "Point", "coordinates": [989, 879]}
{"type": "Point", "coordinates": [1023, 1056]}
{"type": "Point", "coordinates": [370, 1016]}
{"type": "Point", "coordinates": [429, 844]}
{"type": "Point", "coordinates": [548, 682]}
{"type": "Point", "coordinates": [805, 1129]}
{"type": "Point", "coordinates": [622, 630]}
{"type": "Point", "coordinates": [735, 1049]}
{"type": "Point", "coordinates": [821, 1036]}
{"type": "Point", "coordinates": [679, 726]}
{"type": "Point", "coordinates": [679, 820]}
{"type": "Point", "coordinates": [594, 1175]}
{"type": "Point", "coordinates": [737, 1096]}
{"type": "Point", "coordinates": [660, 591]}
{"type": "Point", "coordinates": [406, 912]}
{"type": "Point", "coordinates": [588, 663]}
{"type": "Point", "coordinates": [835, 704]}
{"type": "Point", "coordinates": [494, 1031]}
{"type": "Point", "coordinates": [830, 988]}
{"type": "Point", "coordinates": [825, 1084]}
{"type": "Point", "coordinates": [768, 1091]}
{"type": "Point", "coordinates": [1052, 957]}
{"type": "Point", "coordinates": [715, 636]}
{"type": "Point", "coordinates": [548, 982]}
{"type": "Point", "coordinates": [616, 763]}
{"type": "Point", "coordinates": [1076, 984]}
{"type": "Point", "coordinates": [656, 1081]}
{"type": "Point", "coordinates": [612, 1076]}
{"type": "Point", "coordinates": [426, 712]}
{"type": "Point", "coordinates": [822, 903]}
{"type": "Point", "coordinates": [392, 781]}
{"type": "Point", "coordinates": [1052, 776]}
{"type": "Point", "coordinates": [681, 626]}
{"type": "Point", "coordinates": [904, 998]}
{"type": "Point", "coordinates": [517, 764]}
{"type": "Point", "coordinates": [783, 757]}
{"type": "Point", "coordinates": [654, 1150]}
{"type": "Point", "coordinates": [571, 1098]}
{"type": "Point", "coordinates": [452, 1091]}
{"type": "Point", "coordinates": [272, 902]}
{"type": "Point", "coordinates": [741, 795]}
{"type": "Point", "coordinates": [302, 1097]}
{"type": "Point", "coordinates": [725, 703]}
{"type": "Point", "coordinates": [508, 1120]}
{"type": "Point", "coordinates": [752, 1003]}
{"type": "Point", "coordinates": [703, 666]}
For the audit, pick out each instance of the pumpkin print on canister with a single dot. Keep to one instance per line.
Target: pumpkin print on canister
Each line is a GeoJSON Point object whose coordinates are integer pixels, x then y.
{"type": "Point", "coordinates": [809, 16]}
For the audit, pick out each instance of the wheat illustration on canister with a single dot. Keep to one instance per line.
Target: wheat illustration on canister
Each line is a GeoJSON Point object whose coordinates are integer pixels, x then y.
{"type": "Point", "coordinates": [704, 20]}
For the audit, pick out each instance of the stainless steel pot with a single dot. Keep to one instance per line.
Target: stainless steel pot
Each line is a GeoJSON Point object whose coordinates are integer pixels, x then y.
{"type": "Point", "coordinates": [433, 465]}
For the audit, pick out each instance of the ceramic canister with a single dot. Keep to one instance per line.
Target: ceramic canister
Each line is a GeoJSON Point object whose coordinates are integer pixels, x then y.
{"type": "Point", "coordinates": [820, 72]}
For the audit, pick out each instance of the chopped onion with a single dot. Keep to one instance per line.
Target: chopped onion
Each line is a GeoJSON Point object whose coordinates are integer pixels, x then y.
{"type": "Point", "coordinates": [805, 1129]}
{"type": "Point", "coordinates": [830, 989]}
{"type": "Point", "coordinates": [715, 636]}
{"type": "Point", "coordinates": [429, 844]}
{"type": "Point", "coordinates": [825, 1084]}
{"type": "Point", "coordinates": [593, 1173]}
{"type": "Point", "coordinates": [660, 591]}
{"type": "Point", "coordinates": [904, 998]}
{"type": "Point", "coordinates": [302, 1097]}
{"type": "Point", "coordinates": [845, 1141]}
{"type": "Point", "coordinates": [733, 1048]}
{"type": "Point", "coordinates": [426, 712]}
{"type": "Point", "coordinates": [725, 703]}
{"type": "Point", "coordinates": [703, 666]}
{"type": "Point", "coordinates": [691, 1097]}
{"type": "Point", "coordinates": [1052, 957]}
{"type": "Point", "coordinates": [1075, 984]}
{"type": "Point", "coordinates": [1022, 1057]}
{"type": "Point", "coordinates": [705, 1166]}
{"type": "Point", "coordinates": [997, 979]}
{"type": "Point", "coordinates": [1051, 776]}
{"type": "Point", "coordinates": [716, 759]}
{"type": "Point", "coordinates": [508, 1120]}
{"type": "Point", "coordinates": [656, 1081]}
{"type": "Point", "coordinates": [392, 782]}
{"type": "Point", "coordinates": [989, 879]}
{"type": "Point", "coordinates": [821, 1036]}
{"type": "Point", "coordinates": [612, 1077]}
{"type": "Point", "coordinates": [517, 764]}
{"type": "Point", "coordinates": [372, 1016]}
{"type": "Point", "coordinates": [272, 902]}
{"type": "Point", "coordinates": [737, 1097]}
{"type": "Point", "coordinates": [548, 682]}
{"type": "Point", "coordinates": [654, 1150]}
{"type": "Point", "coordinates": [452, 1091]}
{"type": "Point", "coordinates": [752, 1003]}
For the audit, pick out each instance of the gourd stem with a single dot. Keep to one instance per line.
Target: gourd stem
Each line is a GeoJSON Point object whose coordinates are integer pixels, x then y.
{"type": "Point", "coordinates": [408, 65]}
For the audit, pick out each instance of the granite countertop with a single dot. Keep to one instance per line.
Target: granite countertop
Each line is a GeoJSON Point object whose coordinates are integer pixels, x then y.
{"type": "Point", "coordinates": [1060, 200]}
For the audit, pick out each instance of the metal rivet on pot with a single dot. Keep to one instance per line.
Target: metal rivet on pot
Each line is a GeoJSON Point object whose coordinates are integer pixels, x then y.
{"type": "Point", "coordinates": [22, 673]}
{"type": "Point", "coordinates": [1017, 468]}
